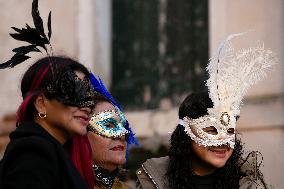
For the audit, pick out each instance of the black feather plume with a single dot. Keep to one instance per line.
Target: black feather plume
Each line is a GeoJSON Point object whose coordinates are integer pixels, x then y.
{"type": "Point", "coordinates": [37, 19]}
{"type": "Point", "coordinates": [15, 60]}
{"type": "Point", "coordinates": [49, 26]}
{"type": "Point", "coordinates": [36, 37]}
{"type": "Point", "coordinates": [26, 49]}
{"type": "Point", "coordinates": [30, 35]}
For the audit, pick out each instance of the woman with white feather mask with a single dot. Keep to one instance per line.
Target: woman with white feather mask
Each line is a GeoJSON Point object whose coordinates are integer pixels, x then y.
{"type": "Point", "coordinates": [205, 151]}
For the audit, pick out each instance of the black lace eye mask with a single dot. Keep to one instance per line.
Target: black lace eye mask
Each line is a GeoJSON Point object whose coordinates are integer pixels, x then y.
{"type": "Point", "coordinates": [69, 89]}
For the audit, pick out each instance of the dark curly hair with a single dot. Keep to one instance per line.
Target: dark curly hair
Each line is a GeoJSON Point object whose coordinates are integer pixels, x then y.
{"type": "Point", "coordinates": [179, 170]}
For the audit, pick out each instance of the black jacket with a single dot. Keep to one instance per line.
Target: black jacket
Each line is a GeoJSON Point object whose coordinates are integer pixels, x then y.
{"type": "Point", "coordinates": [34, 159]}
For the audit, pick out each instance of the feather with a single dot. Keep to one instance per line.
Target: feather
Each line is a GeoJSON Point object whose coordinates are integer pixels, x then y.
{"type": "Point", "coordinates": [37, 19]}
{"type": "Point", "coordinates": [100, 88]}
{"type": "Point", "coordinates": [49, 26]}
{"type": "Point", "coordinates": [225, 52]}
{"type": "Point", "coordinates": [17, 29]}
{"type": "Point", "coordinates": [26, 49]}
{"type": "Point", "coordinates": [15, 60]}
{"type": "Point", "coordinates": [34, 36]}
{"type": "Point", "coordinates": [131, 137]}
{"type": "Point", "coordinates": [231, 73]}
{"type": "Point", "coordinates": [29, 35]}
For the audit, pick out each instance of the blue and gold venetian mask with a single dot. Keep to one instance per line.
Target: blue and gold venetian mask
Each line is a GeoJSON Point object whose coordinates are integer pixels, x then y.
{"type": "Point", "coordinates": [108, 123]}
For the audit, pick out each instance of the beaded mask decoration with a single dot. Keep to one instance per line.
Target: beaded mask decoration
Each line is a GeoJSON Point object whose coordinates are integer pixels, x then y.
{"type": "Point", "coordinates": [69, 89]}
{"type": "Point", "coordinates": [109, 123]}
{"type": "Point", "coordinates": [99, 87]}
{"type": "Point", "coordinates": [230, 76]}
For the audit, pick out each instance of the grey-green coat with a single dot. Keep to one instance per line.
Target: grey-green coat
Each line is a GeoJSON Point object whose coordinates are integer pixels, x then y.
{"type": "Point", "coordinates": [151, 175]}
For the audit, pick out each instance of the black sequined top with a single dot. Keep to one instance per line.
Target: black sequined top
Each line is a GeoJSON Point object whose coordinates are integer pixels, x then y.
{"type": "Point", "coordinates": [104, 176]}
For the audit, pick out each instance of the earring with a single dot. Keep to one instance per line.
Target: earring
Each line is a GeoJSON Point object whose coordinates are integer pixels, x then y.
{"type": "Point", "coordinates": [42, 115]}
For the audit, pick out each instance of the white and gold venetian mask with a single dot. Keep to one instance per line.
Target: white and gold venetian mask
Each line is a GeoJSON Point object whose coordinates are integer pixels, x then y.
{"type": "Point", "coordinates": [230, 76]}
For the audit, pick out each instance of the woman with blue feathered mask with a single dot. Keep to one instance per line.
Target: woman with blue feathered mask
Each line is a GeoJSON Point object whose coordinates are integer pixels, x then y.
{"type": "Point", "coordinates": [100, 155]}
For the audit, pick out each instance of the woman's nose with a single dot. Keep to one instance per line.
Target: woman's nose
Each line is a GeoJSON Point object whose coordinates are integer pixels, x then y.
{"type": "Point", "coordinates": [222, 136]}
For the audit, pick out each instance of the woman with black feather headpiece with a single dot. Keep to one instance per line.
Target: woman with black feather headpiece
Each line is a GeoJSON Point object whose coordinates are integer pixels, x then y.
{"type": "Point", "coordinates": [57, 103]}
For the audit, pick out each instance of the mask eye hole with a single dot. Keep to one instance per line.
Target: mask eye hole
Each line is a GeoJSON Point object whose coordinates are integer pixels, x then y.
{"type": "Point", "coordinates": [231, 131]}
{"type": "Point", "coordinates": [110, 125]}
{"type": "Point", "coordinates": [237, 117]}
{"type": "Point", "coordinates": [210, 130]}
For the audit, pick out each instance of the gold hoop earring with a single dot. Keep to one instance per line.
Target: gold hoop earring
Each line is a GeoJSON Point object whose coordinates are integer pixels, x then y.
{"type": "Point", "coordinates": [42, 115]}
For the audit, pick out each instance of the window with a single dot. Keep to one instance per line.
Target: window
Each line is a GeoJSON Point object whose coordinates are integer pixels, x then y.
{"type": "Point", "coordinates": [160, 51]}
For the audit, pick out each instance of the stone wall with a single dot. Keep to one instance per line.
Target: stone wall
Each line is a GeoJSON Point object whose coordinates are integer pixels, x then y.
{"type": "Point", "coordinates": [262, 121]}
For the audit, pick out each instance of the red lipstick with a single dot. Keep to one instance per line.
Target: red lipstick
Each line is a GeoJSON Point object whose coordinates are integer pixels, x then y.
{"type": "Point", "coordinates": [118, 148]}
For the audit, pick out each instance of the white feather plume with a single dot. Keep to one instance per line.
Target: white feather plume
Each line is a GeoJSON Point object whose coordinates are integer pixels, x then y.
{"type": "Point", "coordinates": [232, 74]}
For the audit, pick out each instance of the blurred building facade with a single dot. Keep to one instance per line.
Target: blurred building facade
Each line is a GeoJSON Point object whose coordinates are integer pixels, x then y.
{"type": "Point", "coordinates": [84, 30]}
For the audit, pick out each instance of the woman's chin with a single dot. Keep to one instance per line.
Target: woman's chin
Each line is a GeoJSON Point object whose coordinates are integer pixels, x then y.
{"type": "Point", "coordinates": [80, 131]}
{"type": "Point", "coordinates": [218, 163]}
{"type": "Point", "coordinates": [120, 160]}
